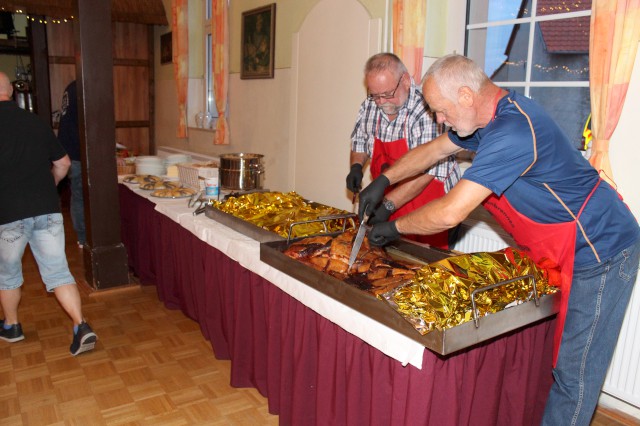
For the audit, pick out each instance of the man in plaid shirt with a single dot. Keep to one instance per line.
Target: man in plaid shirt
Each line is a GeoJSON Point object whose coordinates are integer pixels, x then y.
{"type": "Point", "coordinates": [392, 120]}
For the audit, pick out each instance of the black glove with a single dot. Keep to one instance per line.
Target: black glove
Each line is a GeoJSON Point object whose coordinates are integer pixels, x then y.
{"type": "Point", "coordinates": [383, 233]}
{"type": "Point", "coordinates": [380, 215]}
{"type": "Point", "coordinates": [354, 178]}
{"type": "Point", "coordinates": [371, 196]}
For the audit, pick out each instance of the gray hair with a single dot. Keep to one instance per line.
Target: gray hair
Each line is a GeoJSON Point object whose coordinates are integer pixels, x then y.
{"type": "Point", "coordinates": [385, 62]}
{"type": "Point", "coordinates": [451, 72]}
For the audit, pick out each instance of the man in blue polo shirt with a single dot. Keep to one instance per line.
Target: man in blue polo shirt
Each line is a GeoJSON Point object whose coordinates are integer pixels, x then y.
{"type": "Point", "coordinates": [529, 176]}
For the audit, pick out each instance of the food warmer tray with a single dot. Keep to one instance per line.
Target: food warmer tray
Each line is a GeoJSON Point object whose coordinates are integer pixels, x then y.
{"type": "Point", "coordinates": [246, 228]}
{"type": "Point", "coordinates": [443, 342]}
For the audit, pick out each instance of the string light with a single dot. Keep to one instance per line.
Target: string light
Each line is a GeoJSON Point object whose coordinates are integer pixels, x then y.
{"type": "Point", "coordinates": [566, 7]}
{"type": "Point", "coordinates": [578, 71]}
{"type": "Point", "coordinates": [50, 20]}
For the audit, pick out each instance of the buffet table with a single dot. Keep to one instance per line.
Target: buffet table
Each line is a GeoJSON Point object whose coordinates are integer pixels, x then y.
{"type": "Point", "coordinates": [316, 360]}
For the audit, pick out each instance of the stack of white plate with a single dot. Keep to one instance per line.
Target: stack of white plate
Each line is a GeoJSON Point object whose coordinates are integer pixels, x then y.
{"type": "Point", "coordinates": [176, 159]}
{"type": "Point", "coordinates": [172, 161]}
{"type": "Point", "coordinates": [150, 165]}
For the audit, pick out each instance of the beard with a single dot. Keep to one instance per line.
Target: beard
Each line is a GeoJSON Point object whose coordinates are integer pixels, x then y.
{"type": "Point", "coordinates": [460, 132]}
{"type": "Point", "coordinates": [389, 108]}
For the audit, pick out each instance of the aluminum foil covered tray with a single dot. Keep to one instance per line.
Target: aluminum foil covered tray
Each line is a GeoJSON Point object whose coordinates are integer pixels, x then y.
{"type": "Point", "coordinates": [274, 216]}
{"type": "Point", "coordinates": [444, 341]}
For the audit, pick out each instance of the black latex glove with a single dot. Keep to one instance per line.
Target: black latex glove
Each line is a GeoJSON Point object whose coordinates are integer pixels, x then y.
{"type": "Point", "coordinates": [354, 178]}
{"type": "Point", "coordinates": [371, 196]}
{"type": "Point", "coordinates": [380, 215]}
{"type": "Point", "coordinates": [383, 233]}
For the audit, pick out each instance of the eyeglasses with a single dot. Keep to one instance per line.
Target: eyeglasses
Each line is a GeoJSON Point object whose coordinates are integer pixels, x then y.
{"type": "Point", "coordinates": [386, 95]}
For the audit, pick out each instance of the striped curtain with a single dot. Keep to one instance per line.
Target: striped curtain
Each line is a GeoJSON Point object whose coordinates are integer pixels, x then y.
{"type": "Point", "coordinates": [615, 32]}
{"type": "Point", "coordinates": [409, 22]}
{"type": "Point", "coordinates": [180, 46]}
{"type": "Point", "coordinates": [220, 64]}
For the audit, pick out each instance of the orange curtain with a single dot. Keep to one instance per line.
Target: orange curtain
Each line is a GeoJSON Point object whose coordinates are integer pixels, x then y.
{"type": "Point", "coordinates": [615, 32]}
{"type": "Point", "coordinates": [409, 22]}
{"type": "Point", "coordinates": [220, 64]}
{"type": "Point", "coordinates": [180, 46]}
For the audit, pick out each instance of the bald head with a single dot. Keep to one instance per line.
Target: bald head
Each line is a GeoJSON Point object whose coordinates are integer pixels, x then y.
{"type": "Point", "coordinates": [6, 89]}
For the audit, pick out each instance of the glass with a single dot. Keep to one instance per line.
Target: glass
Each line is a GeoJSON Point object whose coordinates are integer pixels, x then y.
{"type": "Point", "coordinates": [501, 51]}
{"type": "Point", "coordinates": [561, 50]}
{"type": "Point", "coordinates": [570, 114]}
{"type": "Point", "coordinates": [561, 6]}
{"type": "Point", "coordinates": [385, 95]}
{"type": "Point", "coordinates": [497, 10]}
{"type": "Point", "coordinates": [200, 120]}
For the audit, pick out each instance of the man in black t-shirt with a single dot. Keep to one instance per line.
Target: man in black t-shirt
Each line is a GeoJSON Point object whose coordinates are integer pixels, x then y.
{"type": "Point", "coordinates": [32, 163]}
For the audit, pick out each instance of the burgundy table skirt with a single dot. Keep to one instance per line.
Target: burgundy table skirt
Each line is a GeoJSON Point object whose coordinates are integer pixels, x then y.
{"type": "Point", "coordinates": [311, 370]}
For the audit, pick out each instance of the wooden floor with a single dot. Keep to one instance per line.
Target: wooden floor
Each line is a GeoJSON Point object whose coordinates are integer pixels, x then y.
{"type": "Point", "coordinates": [151, 366]}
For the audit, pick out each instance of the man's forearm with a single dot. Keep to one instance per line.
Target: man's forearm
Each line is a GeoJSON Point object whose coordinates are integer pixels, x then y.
{"type": "Point", "coordinates": [408, 190]}
{"type": "Point", "coordinates": [60, 168]}
{"type": "Point", "coordinates": [358, 158]}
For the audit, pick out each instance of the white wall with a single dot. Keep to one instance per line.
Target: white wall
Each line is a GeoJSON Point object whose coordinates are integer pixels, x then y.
{"type": "Point", "coordinates": [624, 164]}
{"type": "Point", "coordinates": [327, 89]}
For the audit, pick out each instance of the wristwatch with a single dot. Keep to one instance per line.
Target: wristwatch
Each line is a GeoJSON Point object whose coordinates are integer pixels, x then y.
{"type": "Point", "coordinates": [388, 204]}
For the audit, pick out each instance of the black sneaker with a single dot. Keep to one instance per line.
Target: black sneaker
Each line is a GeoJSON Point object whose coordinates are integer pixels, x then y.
{"type": "Point", "coordinates": [14, 334]}
{"type": "Point", "coordinates": [84, 340]}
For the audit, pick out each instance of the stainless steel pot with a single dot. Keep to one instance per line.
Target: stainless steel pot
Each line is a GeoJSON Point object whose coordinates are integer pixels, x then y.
{"type": "Point", "coordinates": [241, 171]}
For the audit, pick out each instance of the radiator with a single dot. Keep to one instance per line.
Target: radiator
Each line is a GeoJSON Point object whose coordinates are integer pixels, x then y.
{"type": "Point", "coordinates": [165, 151]}
{"type": "Point", "coordinates": [481, 233]}
{"type": "Point", "coordinates": [475, 235]}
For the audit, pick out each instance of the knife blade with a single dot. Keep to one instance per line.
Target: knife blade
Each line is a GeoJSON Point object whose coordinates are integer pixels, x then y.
{"type": "Point", "coordinates": [357, 243]}
{"type": "Point", "coordinates": [353, 199]}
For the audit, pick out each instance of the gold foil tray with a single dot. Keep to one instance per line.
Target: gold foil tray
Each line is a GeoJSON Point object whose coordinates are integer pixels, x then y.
{"type": "Point", "coordinates": [442, 342]}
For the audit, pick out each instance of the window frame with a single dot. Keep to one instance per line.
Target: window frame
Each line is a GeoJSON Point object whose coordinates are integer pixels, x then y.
{"type": "Point", "coordinates": [573, 123]}
{"type": "Point", "coordinates": [531, 20]}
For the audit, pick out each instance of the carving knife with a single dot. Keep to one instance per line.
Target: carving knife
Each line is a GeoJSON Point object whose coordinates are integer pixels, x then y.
{"type": "Point", "coordinates": [357, 243]}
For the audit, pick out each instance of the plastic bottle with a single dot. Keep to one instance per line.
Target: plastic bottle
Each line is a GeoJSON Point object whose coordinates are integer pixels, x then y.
{"type": "Point", "coordinates": [211, 186]}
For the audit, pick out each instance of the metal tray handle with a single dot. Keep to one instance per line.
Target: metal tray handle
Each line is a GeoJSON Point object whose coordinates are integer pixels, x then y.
{"type": "Point", "coordinates": [501, 283]}
{"type": "Point", "coordinates": [324, 219]}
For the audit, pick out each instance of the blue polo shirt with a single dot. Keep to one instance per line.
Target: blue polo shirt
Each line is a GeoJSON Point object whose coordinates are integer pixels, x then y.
{"type": "Point", "coordinates": [524, 155]}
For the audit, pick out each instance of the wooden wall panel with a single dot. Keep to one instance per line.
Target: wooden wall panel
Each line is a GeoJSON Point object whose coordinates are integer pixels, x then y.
{"type": "Point", "coordinates": [131, 92]}
{"type": "Point", "coordinates": [130, 41]}
{"type": "Point", "coordinates": [132, 78]}
{"type": "Point", "coordinates": [60, 41]}
{"type": "Point", "coordinates": [134, 138]}
{"type": "Point", "coordinates": [60, 75]}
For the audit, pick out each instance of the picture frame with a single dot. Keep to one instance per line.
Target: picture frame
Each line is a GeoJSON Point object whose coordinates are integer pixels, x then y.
{"type": "Point", "coordinates": [166, 49]}
{"type": "Point", "coordinates": [258, 31]}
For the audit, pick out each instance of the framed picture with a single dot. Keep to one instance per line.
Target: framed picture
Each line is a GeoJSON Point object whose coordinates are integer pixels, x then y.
{"type": "Point", "coordinates": [166, 51]}
{"type": "Point", "coordinates": [258, 42]}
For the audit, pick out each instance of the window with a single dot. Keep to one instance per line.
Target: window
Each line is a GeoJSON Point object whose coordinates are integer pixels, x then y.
{"type": "Point", "coordinates": [210, 103]}
{"type": "Point", "coordinates": [539, 48]}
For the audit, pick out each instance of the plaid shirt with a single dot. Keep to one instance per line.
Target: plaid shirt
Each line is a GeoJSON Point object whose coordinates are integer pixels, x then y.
{"type": "Point", "coordinates": [413, 122]}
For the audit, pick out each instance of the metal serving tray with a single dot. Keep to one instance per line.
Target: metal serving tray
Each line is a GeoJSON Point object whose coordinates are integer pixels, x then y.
{"type": "Point", "coordinates": [442, 342]}
{"type": "Point", "coordinates": [249, 229]}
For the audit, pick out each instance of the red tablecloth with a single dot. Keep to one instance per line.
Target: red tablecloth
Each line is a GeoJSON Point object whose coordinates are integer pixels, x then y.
{"type": "Point", "coordinates": [310, 369]}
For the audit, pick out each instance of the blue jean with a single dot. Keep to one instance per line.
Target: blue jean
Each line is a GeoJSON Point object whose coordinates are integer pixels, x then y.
{"type": "Point", "coordinates": [77, 201]}
{"type": "Point", "coordinates": [597, 304]}
{"type": "Point", "coordinates": [45, 236]}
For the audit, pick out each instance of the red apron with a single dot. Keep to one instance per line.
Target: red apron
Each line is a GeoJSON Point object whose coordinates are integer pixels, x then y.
{"type": "Point", "coordinates": [550, 245]}
{"type": "Point", "coordinates": [384, 155]}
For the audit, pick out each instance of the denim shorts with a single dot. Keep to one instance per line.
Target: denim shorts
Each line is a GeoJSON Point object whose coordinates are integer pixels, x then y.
{"type": "Point", "coordinates": [45, 236]}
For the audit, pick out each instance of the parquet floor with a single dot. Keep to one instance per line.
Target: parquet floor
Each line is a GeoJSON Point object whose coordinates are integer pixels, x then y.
{"type": "Point", "coordinates": [151, 365]}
